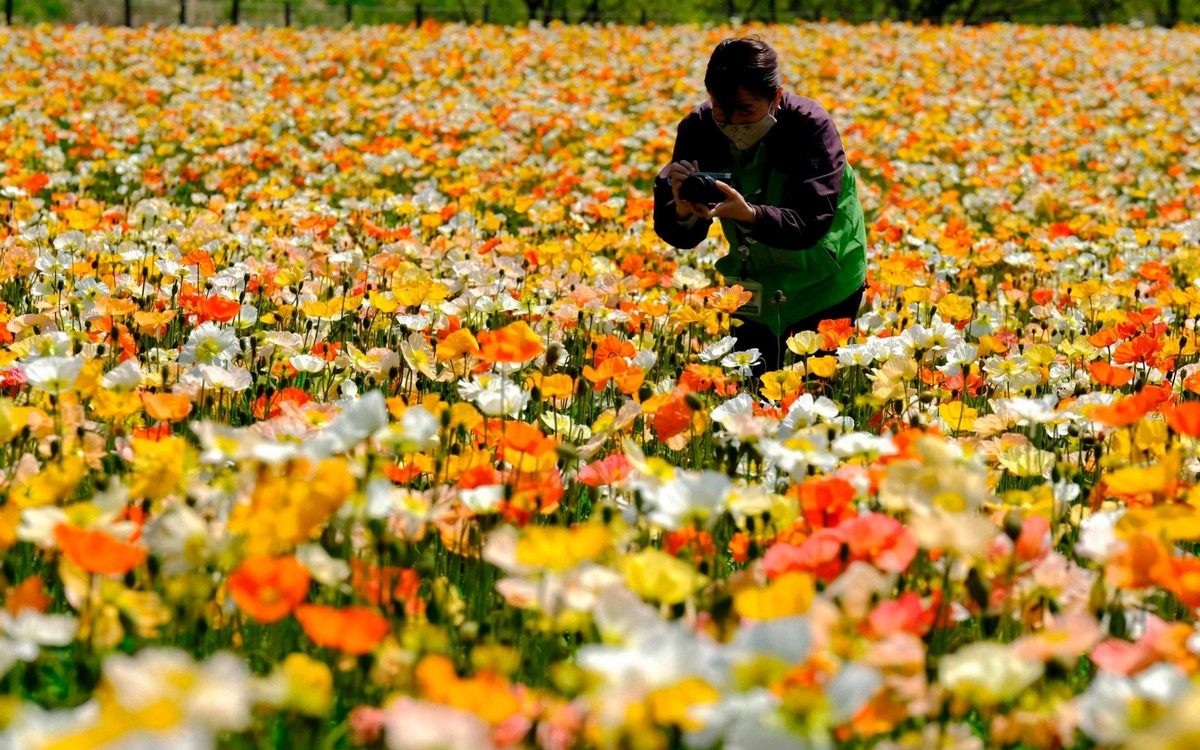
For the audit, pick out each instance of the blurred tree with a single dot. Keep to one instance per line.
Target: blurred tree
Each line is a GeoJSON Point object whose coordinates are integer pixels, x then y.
{"type": "Point", "coordinates": [164, 12]}
{"type": "Point", "coordinates": [1168, 13]}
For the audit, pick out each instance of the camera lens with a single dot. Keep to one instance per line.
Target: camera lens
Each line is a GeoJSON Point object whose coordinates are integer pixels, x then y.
{"type": "Point", "coordinates": [700, 188]}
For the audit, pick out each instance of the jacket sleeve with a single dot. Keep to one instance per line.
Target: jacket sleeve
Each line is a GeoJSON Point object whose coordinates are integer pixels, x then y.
{"type": "Point", "coordinates": [690, 232]}
{"type": "Point", "coordinates": [812, 199]}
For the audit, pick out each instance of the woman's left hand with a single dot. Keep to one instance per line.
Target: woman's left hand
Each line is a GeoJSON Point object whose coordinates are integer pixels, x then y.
{"type": "Point", "coordinates": [733, 207]}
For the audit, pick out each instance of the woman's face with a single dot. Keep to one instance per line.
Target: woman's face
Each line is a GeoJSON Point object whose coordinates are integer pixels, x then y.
{"type": "Point", "coordinates": [748, 108]}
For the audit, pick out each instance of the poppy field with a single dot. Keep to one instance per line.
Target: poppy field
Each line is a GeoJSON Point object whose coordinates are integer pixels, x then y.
{"type": "Point", "coordinates": [348, 398]}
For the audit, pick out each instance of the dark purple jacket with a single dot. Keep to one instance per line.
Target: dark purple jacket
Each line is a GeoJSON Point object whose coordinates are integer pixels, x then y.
{"type": "Point", "coordinates": [812, 154]}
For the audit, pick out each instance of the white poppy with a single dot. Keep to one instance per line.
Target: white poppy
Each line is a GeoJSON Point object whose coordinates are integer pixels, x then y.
{"type": "Point", "coordinates": [53, 374]}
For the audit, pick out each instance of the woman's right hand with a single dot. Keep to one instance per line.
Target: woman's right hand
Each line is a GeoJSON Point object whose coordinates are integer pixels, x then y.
{"type": "Point", "coordinates": [679, 172]}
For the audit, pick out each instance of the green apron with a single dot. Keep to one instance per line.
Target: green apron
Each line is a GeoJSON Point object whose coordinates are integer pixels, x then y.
{"type": "Point", "coordinates": [795, 283]}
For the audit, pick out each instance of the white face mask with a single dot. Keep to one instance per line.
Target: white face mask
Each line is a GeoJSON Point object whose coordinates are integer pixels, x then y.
{"type": "Point", "coordinates": [744, 136]}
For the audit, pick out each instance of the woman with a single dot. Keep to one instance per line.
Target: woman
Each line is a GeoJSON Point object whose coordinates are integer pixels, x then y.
{"type": "Point", "coordinates": [790, 210]}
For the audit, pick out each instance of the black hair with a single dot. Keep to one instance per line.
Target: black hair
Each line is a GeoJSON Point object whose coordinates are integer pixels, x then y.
{"type": "Point", "coordinates": [744, 62]}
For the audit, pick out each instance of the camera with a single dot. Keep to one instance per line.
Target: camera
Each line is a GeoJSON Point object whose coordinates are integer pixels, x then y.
{"type": "Point", "coordinates": [701, 187]}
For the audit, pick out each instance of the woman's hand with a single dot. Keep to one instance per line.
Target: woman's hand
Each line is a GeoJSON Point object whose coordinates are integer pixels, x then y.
{"type": "Point", "coordinates": [679, 172]}
{"type": "Point", "coordinates": [733, 207]}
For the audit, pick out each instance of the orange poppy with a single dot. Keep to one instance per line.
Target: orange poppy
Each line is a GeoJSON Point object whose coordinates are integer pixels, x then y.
{"type": "Point", "coordinates": [1184, 418]}
{"type": "Point", "coordinates": [1105, 374]}
{"type": "Point", "coordinates": [488, 694]}
{"type": "Point", "coordinates": [700, 378]}
{"type": "Point", "coordinates": [697, 544]}
{"type": "Point", "coordinates": [155, 433]}
{"type": "Point", "coordinates": [33, 184]}
{"type": "Point", "coordinates": [1135, 566]}
{"type": "Point", "coordinates": [515, 343]}
{"type": "Point", "coordinates": [456, 344]}
{"type": "Point", "coordinates": [1104, 338]}
{"type": "Point", "coordinates": [1144, 348]}
{"type": "Point", "coordinates": [268, 407]}
{"type": "Point", "coordinates": [402, 474]}
{"type": "Point", "coordinates": [1180, 576]}
{"type": "Point", "coordinates": [199, 259]}
{"type": "Point", "coordinates": [609, 345]}
{"type": "Point", "coordinates": [1122, 412]}
{"type": "Point", "coordinates": [327, 350]}
{"type": "Point", "coordinates": [1192, 382]}
{"type": "Point", "coordinates": [522, 437]}
{"type": "Point", "coordinates": [1141, 319]}
{"type": "Point", "coordinates": [219, 309]}
{"type": "Point", "coordinates": [480, 475]}
{"type": "Point", "coordinates": [629, 377]}
{"type": "Point", "coordinates": [355, 630]}
{"type": "Point", "coordinates": [826, 501]}
{"type": "Point", "coordinates": [739, 547]}
{"type": "Point", "coordinates": [167, 407]}
{"type": "Point", "coordinates": [531, 492]}
{"type": "Point", "coordinates": [673, 417]}
{"type": "Point", "coordinates": [1042, 296]}
{"type": "Point", "coordinates": [559, 385]}
{"type": "Point", "coordinates": [113, 307]}
{"type": "Point", "coordinates": [97, 552]}
{"type": "Point", "coordinates": [153, 323]}
{"type": "Point", "coordinates": [268, 588]}
{"type": "Point", "coordinates": [27, 595]}
{"type": "Point", "coordinates": [836, 332]}
{"type": "Point", "coordinates": [387, 585]}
